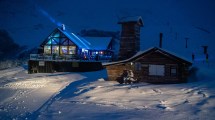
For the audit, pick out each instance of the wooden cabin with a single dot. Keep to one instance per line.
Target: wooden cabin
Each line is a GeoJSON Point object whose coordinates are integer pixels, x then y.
{"type": "Point", "coordinates": [154, 65]}
{"type": "Point", "coordinates": [130, 36]}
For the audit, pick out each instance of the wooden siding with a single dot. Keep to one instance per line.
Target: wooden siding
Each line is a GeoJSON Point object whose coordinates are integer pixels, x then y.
{"type": "Point", "coordinates": [62, 66]}
{"type": "Point", "coordinates": [154, 58]}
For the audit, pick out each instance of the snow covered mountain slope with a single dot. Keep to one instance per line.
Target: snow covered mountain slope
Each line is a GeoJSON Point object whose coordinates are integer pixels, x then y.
{"type": "Point", "coordinates": [23, 94]}
{"type": "Point", "coordinates": [88, 96]}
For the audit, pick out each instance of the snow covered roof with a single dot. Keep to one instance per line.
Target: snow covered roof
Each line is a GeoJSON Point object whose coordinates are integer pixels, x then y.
{"type": "Point", "coordinates": [79, 41]}
{"type": "Point", "coordinates": [153, 49]}
{"type": "Point", "coordinates": [98, 43]}
{"type": "Point", "coordinates": [90, 43]}
{"type": "Point", "coordinates": [137, 19]}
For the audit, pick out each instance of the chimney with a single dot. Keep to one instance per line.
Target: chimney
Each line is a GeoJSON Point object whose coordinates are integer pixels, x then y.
{"type": "Point", "coordinates": [130, 36]}
{"type": "Point", "coordinates": [161, 40]}
{"type": "Point", "coordinates": [63, 27]}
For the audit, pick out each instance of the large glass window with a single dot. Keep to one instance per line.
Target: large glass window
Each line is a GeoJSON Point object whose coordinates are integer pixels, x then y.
{"type": "Point", "coordinates": [64, 50]}
{"type": "Point", "coordinates": [55, 49]}
{"type": "Point", "coordinates": [157, 70]}
{"type": "Point", "coordinates": [72, 49]}
{"type": "Point", "coordinates": [47, 49]}
{"type": "Point", "coordinates": [58, 43]}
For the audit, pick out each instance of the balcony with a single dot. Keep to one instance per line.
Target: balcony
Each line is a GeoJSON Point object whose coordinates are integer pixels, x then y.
{"type": "Point", "coordinates": [46, 57]}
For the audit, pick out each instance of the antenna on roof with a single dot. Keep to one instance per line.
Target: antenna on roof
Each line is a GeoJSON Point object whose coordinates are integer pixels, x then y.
{"type": "Point", "coordinates": [186, 42]}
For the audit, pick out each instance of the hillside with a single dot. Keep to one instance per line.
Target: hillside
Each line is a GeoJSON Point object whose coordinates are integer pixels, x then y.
{"type": "Point", "coordinates": [84, 96]}
{"type": "Point", "coordinates": [29, 22]}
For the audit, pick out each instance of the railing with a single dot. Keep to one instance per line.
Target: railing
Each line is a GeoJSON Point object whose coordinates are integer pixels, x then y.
{"type": "Point", "coordinates": [69, 58]}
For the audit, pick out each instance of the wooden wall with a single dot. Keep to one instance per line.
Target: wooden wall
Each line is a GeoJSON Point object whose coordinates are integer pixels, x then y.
{"type": "Point", "coordinates": [62, 66]}
{"type": "Point", "coordinates": [114, 71]}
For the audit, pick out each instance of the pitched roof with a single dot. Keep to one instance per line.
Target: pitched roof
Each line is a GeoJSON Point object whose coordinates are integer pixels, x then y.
{"type": "Point", "coordinates": [98, 43]}
{"type": "Point", "coordinates": [92, 43]}
{"type": "Point", "coordinates": [79, 41]}
{"type": "Point", "coordinates": [150, 50]}
{"type": "Point", "coordinates": [137, 19]}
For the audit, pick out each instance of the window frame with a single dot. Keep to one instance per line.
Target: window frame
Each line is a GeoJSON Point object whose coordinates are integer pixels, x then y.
{"type": "Point", "coordinates": [171, 72]}
{"type": "Point", "coordinates": [156, 70]}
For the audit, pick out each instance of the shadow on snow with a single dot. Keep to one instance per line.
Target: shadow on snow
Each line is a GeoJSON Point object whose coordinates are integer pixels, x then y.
{"type": "Point", "coordinates": [68, 92]}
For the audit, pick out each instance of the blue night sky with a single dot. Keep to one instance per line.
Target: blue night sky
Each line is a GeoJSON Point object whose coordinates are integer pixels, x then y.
{"type": "Point", "coordinates": [29, 22]}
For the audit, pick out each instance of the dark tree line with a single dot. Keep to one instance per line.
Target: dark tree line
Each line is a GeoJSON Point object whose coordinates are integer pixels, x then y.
{"type": "Point", "coordinates": [98, 33]}
{"type": "Point", "coordinates": [8, 48]}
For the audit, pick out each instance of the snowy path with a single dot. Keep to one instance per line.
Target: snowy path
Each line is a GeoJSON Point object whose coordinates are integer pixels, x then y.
{"type": "Point", "coordinates": [26, 93]}
{"type": "Point", "coordinates": [83, 96]}
{"type": "Point", "coordinates": [9, 72]}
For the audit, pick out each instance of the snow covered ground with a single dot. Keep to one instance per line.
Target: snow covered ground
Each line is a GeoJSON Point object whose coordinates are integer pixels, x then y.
{"type": "Point", "coordinates": [87, 96]}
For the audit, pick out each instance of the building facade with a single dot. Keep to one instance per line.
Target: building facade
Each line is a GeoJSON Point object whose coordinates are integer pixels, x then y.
{"type": "Point", "coordinates": [63, 44]}
{"type": "Point", "coordinates": [154, 65]}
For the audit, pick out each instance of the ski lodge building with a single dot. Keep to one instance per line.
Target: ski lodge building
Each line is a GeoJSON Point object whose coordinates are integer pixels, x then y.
{"type": "Point", "coordinates": [64, 45]}
{"type": "Point", "coordinates": [63, 51]}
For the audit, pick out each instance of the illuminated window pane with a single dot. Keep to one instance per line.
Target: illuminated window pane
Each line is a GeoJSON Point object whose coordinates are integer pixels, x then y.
{"type": "Point", "coordinates": [55, 41]}
{"type": "Point", "coordinates": [56, 34]}
{"type": "Point", "coordinates": [49, 42]}
{"type": "Point", "coordinates": [63, 50]}
{"type": "Point", "coordinates": [47, 49]}
{"type": "Point", "coordinates": [55, 49]}
{"type": "Point", "coordinates": [72, 49]}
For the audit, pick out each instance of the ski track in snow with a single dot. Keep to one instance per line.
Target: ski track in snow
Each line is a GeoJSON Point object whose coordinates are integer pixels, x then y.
{"type": "Point", "coordinates": [9, 72]}
{"type": "Point", "coordinates": [28, 92]}
{"type": "Point", "coordinates": [44, 96]}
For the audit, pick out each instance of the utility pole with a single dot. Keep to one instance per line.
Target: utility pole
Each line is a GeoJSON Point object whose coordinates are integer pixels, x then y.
{"type": "Point", "coordinates": [205, 47]}
{"type": "Point", "coordinates": [186, 40]}
{"type": "Point", "coordinates": [161, 40]}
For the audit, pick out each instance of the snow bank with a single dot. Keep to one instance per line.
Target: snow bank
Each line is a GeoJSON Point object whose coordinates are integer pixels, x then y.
{"type": "Point", "coordinates": [88, 96]}
{"type": "Point", "coordinates": [193, 100]}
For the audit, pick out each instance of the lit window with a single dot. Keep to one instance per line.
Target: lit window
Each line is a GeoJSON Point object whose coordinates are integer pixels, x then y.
{"type": "Point", "coordinates": [55, 49]}
{"type": "Point", "coordinates": [47, 49]}
{"type": "Point", "coordinates": [72, 49]}
{"type": "Point", "coordinates": [63, 50]}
